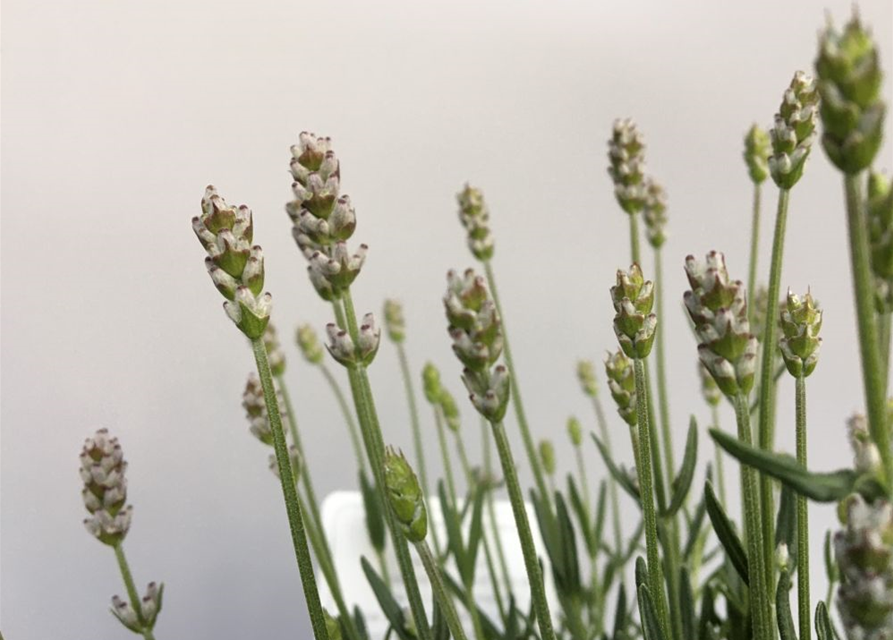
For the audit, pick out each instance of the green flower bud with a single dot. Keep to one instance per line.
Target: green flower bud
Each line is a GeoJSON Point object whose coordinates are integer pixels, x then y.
{"type": "Point", "coordinates": [405, 496]}
{"type": "Point", "coordinates": [473, 321]}
{"type": "Point", "coordinates": [393, 320]}
{"type": "Point", "coordinates": [709, 389]}
{"type": "Point", "coordinates": [431, 383]}
{"type": "Point", "coordinates": [634, 324]}
{"type": "Point", "coordinates": [450, 410]}
{"type": "Point", "coordinates": [475, 217]}
{"type": "Point", "coordinates": [586, 376]}
{"type": "Point", "coordinates": [879, 207]}
{"type": "Point", "coordinates": [547, 456]}
{"type": "Point", "coordinates": [718, 308]}
{"type": "Point", "coordinates": [275, 355]}
{"type": "Point", "coordinates": [801, 322]}
{"type": "Point", "coordinates": [794, 131]}
{"type": "Point", "coordinates": [654, 212]}
{"type": "Point", "coordinates": [149, 605]}
{"type": "Point", "coordinates": [341, 346]}
{"type": "Point", "coordinates": [756, 154]}
{"type": "Point", "coordinates": [622, 384]}
{"type": "Point", "coordinates": [105, 488]}
{"type": "Point", "coordinates": [849, 81]}
{"type": "Point", "coordinates": [489, 392]}
{"type": "Point", "coordinates": [575, 431]}
{"type": "Point", "coordinates": [627, 165]}
{"type": "Point", "coordinates": [309, 344]}
{"type": "Point", "coordinates": [333, 627]}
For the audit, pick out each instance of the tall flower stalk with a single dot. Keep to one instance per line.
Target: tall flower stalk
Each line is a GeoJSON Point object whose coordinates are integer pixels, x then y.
{"type": "Point", "coordinates": [756, 156]}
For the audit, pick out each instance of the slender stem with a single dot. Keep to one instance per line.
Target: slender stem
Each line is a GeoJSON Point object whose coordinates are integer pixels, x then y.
{"type": "Point", "coordinates": [720, 470]}
{"type": "Point", "coordinates": [769, 347]}
{"type": "Point", "coordinates": [868, 340]}
{"type": "Point", "coordinates": [440, 592]}
{"type": "Point", "coordinates": [323, 557]}
{"type": "Point", "coordinates": [584, 481]}
{"type": "Point", "coordinates": [753, 532]}
{"type": "Point", "coordinates": [292, 421]}
{"type": "Point", "coordinates": [803, 602]}
{"type": "Point", "coordinates": [754, 251]}
{"type": "Point", "coordinates": [347, 413]}
{"type": "Point", "coordinates": [289, 492]}
{"type": "Point", "coordinates": [372, 437]}
{"type": "Point", "coordinates": [612, 484]}
{"type": "Point", "coordinates": [634, 238]}
{"type": "Point", "coordinates": [445, 456]}
{"type": "Point", "coordinates": [884, 328]}
{"type": "Point", "coordinates": [663, 397]}
{"type": "Point", "coordinates": [529, 447]}
{"type": "Point", "coordinates": [534, 575]}
{"type": "Point", "coordinates": [486, 434]}
{"type": "Point", "coordinates": [132, 593]}
{"type": "Point", "coordinates": [413, 417]}
{"type": "Point", "coordinates": [646, 491]}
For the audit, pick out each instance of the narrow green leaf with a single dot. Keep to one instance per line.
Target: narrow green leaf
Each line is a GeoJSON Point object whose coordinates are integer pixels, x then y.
{"type": "Point", "coordinates": [386, 601]}
{"type": "Point", "coordinates": [821, 487]}
{"type": "Point", "coordinates": [687, 605]}
{"type": "Point", "coordinates": [475, 533]}
{"type": "Point", "coordinates": [360, 622]}
{"type": "Point", "coordinates": [600, 509]}
{"type": "Point", "coordinates": [783, 607]}
{"type": "Point", "coordinates": [569, 562]}
{"type": "Point", "coordinates": [651, 628]}
{"type": "Point", "coordinates": [694, 529]}
{"type": "Point", "coordinates": [824, 630]}
{"type": "Point", "coordinates": [708, 614]}
{"type": "Point", "coordinates": [490, 630]}
{"type": "Point", "coordinates": [374, 513]}
{"type": "Point", "coordinates": [725, 531]}
{"type": "Point", "coordinates": [682, 482]}
{"type": "Point", "coordinates": [439, 628]}
{"type": "Point", "coordinates": [620, 614]}
{"type": "Point", "coordinates": [641, 572]}
{"type": "Point", "coordinates": [453, 528]}
{"type": "Point", "coordinates": [581, 512]}
{"type": "Point", "coordinates": [831, 569]}
{"type": "Point", "coordinates": [618, 475]}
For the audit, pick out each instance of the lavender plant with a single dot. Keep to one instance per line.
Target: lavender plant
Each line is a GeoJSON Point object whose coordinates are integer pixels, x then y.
{"type": "Point", "coordinates": [697, 571]}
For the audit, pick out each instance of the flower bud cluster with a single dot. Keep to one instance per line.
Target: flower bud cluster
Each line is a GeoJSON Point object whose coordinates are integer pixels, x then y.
{"type": "Point", "coordinates": [849, 81]}
{"type": "Point", "coordinates": [575, 431]}
{"type": "Point", "coordinates": [475, 217]}
{"type": "Point", "coordinates": [627, 165]}
{"type": "Point", "coordinates": [341, 346]}
{"type": "Point", "coordinates": [801, 322]}
{"type": "Point", "coordinates": [431, 383]}
{"type": "Point", "coordinates": [235, 265]}
{"type": "Point", "coordinates": [475, 329]}
{"type": "Point", "coordinates": [405, 496]}
{"type": "Point", "coordinates": [864, 550]}
{"type": "Point", "coordinates": [634, 324]}
{"type": "Point", "coordinates": [547, 456]}
{"type": "Point", "coordinates": [794, 130]}
{"type": "Point", "coordinates": [150, 607]}
{"type": "Point", "coordinates": [105, 488]}
{"type": "Point", "coordinates": [275, 354]}
{"type": "Point", "coordinates": [622, 384]}
{"type": "Point", "coordinates": [756, 154]}
{"type": "Point", "coordinates": [256, 409]}
{"type": "Point", "coordinates": [880, 237]}
{"type": "Point", "coordinates": [654, 213]}
{"type": "Point", "coordinates": [308, 343]}
{"type": "Point", "coordinates": [450, 410]}
{"type": "Point", "coordinates": [866, 457]}
{"type": "Point", "coordinates": [586, 376]}
{"type": "Point", "coordinates": [393, 321]}
{"type": "Point", "coordinates": [322, 219]}
{"type": "Point", "coordinates": [718, 308]}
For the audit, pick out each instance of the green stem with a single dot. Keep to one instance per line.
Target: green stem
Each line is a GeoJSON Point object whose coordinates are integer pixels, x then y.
{"type": "Point", "coordinates": [612, 484]}
{"type": "Point", "coordinates": [646, 491]}
{"type": "Point", "coordinates": [346, 412]}
{"type": "Point", "coordinates": [323, 557]}
{"type": "Point", "coordinates": [529, 447]}
{"type": "Point", "coordinates": [754, 252]}
{"type": "Point", "coordinates": [289, 492]}
{"type": "Point", "coordinates": [662, 395]}
{"type": "Point", "coordinates": [868, 340]}
{"type": "Point", "coordinates": [413, 417]}
{"type": "Point", "coordinates": [534, 575]}
{"type": "Point", "coordinates": [720, 470]}
{"type": "Point", "coordinates": [372, 437]}
{"type": "Point", "coordinates": [634, 238]}
{"type": "Point", "coordinates": [440, 592]}
{"type": "Point", "coordinates": [132, 593]}
{"type": "Point", "coordinates": [292, 421]}
{"type": "Point", "coordinates": [486, 434]}
{"type": "Point", "coordinates": [884, 328]}
{"type": "Point", "coordinates": [445, 456]}
{"type": "Point", "coordinates": [803, 601]}
{"type": "Point", "coordinates": [760, 596]}
{"type": "Point", "coordinates": [769, 348]}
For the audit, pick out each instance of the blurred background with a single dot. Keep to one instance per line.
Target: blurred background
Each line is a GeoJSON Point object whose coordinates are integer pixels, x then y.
{"type": "Point", "coordinates": [117, 114]}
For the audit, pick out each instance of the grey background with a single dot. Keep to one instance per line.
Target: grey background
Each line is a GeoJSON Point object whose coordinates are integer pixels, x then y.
{"type": "Point", "coordinates": [116, 115]}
